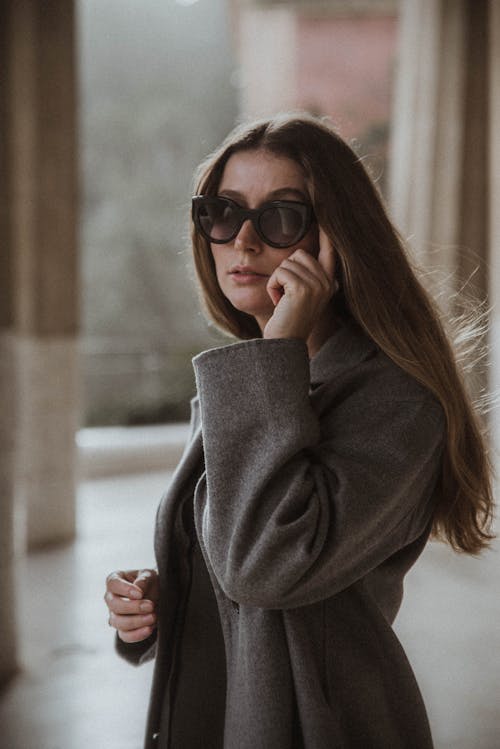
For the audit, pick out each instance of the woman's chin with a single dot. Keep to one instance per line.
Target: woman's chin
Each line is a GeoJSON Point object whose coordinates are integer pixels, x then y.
{"type": "Point", "coordinates": [251, 306]}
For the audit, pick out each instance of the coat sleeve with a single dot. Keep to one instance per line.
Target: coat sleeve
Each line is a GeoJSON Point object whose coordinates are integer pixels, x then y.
{"type": "Point", "coordinates": [137, 653]}
{"type": "Point", "coordinates": [292, 507]}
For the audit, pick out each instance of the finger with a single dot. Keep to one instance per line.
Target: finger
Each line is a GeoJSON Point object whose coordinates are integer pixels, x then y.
{"type": "Point", "coordinates": [149, 581]}
{"type": "Point", "coordinates": [309, 261]}
{"type": "Point", "coordinates": [135, 635]}
{"type": "Point", "coordinates": [279, 281]}
{"type": "Point", "coordinates": [285, 279]}
{"type": "Point", "coordinates": [144, 578]}
{"type": "Point", "coordinates": [128, 575]}
{"type": "Point", "coordinates": [121, 605]}
{"type": "Point", "coordinates": [307, 267]}
{"type": "Point", "coordinates": [117, 583]}
{"type": "Point", "coordinates": [326, 256]}
{"type": "Point", "coordinates": [275, 290]}
{"type": "Point", "coordinates": [127, 623]}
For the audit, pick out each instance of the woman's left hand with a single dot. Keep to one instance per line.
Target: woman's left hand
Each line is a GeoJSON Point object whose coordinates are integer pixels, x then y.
{"type": "Point", "coordinates": [301, 288]}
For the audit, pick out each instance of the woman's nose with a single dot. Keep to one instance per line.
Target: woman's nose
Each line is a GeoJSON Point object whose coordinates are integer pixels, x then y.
{"type": "Point", "coordinates": [247, 238]}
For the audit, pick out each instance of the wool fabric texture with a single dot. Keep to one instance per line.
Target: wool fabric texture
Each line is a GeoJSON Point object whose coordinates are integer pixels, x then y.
{"type": "Point", "coordinates": [307, 488]}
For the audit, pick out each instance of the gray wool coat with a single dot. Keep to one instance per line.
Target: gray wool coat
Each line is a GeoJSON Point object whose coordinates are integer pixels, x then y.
{"type": "Point", "coordinates": [304, 495]}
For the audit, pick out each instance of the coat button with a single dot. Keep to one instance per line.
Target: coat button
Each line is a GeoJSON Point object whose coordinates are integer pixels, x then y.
{"type": "Point", "coordinates": [156, 736]}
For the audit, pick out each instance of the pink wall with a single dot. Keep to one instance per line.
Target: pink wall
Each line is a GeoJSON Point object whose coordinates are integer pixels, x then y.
{"type": "Point", "coordinates": [344, 69]}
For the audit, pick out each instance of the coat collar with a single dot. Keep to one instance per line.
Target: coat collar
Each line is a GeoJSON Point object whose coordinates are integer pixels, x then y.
{"type": "Point", "coordinates": [348, 346]}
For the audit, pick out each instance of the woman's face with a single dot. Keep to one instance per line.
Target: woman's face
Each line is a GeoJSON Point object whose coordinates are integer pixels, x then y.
{"type": "Point", "coordinates": [251, 178]}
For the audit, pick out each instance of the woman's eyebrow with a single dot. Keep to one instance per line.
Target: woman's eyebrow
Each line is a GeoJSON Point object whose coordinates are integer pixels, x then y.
{"type": "Point", "coordinates": [287, 191]}
{"type": "Point", "coordinates": [273, 195]}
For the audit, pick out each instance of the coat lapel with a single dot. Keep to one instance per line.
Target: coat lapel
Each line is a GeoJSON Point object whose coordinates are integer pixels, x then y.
{"type": "Point", "coordinates": [189, 469]}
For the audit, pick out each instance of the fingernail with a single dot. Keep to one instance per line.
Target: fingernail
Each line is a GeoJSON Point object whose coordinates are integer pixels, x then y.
{"type": "Point", "coordinates": [133, 593]}
{"type": "Point", "coordinates": [146, 606]}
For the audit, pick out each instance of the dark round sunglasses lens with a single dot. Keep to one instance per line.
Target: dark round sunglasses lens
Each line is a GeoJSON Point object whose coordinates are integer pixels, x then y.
{"type": "Point", "coordinates": [217, 219]}
{"type": "Point", "coordinates": [283, 225]}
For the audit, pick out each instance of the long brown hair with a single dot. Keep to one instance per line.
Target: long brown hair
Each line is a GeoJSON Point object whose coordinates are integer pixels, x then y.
{"type": "Point", "coordinates": [379, 289]}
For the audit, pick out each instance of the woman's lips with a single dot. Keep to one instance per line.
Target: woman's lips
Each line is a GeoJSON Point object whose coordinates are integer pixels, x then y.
{"type": "Point", "coordinates": [241, 277]}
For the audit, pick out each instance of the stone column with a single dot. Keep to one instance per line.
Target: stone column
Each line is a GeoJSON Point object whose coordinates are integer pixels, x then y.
{"type": "Point", "coordinates": [439, 159]}
{"type": "Point", "coordinates": [267, 54]}
{"type": "Point", "coordinates": [8, 637]}
{"type": "Point", "coordinates": [440, 174]}
{"type": "Point", "coordinates": [8, 399]}
{"type": "Point", "coordinates": [494, 212]}
{"type": "Point", "coordinates": [43, 234]}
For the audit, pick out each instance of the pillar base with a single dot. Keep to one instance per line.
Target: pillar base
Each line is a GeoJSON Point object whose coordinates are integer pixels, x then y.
{"type": "Point", "coordinates": [8, 629]}
{"type": "Point", "coordinates": [48, 420]}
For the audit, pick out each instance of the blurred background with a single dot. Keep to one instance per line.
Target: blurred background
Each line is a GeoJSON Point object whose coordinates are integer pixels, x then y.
{"type": "Point", "coordinates": [106, 108]}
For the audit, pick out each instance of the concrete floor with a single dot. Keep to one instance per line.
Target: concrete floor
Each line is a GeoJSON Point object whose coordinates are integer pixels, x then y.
{"type": "Point", "coordinates": [74, 693]}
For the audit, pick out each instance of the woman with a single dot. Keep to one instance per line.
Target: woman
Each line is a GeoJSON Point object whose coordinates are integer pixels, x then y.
{"type": "Point", "coordinates": [326, 446]}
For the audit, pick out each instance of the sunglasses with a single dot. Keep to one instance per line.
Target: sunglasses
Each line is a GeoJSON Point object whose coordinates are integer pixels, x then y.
{"type": "Point", "coordinates": [278, 223]}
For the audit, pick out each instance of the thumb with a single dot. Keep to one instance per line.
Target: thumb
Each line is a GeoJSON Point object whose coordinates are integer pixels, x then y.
{"type": "Point", "coordinates": [144, 579]}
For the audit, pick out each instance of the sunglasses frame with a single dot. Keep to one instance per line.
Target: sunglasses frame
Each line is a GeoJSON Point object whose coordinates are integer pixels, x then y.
{"type": "Point", "coordinates": [254, 214]}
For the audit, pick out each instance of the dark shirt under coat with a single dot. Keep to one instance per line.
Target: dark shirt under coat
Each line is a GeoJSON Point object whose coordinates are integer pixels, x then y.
{"type": "Point", "coordinates": [313, 485]}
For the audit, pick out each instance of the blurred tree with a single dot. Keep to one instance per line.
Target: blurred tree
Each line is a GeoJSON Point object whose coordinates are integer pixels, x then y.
{"type": "Point", "coordinates": [156, 98]}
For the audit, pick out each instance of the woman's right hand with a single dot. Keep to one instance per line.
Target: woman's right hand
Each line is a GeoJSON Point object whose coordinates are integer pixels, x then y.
{"type": "Point", "coordinates": [131, 597]}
